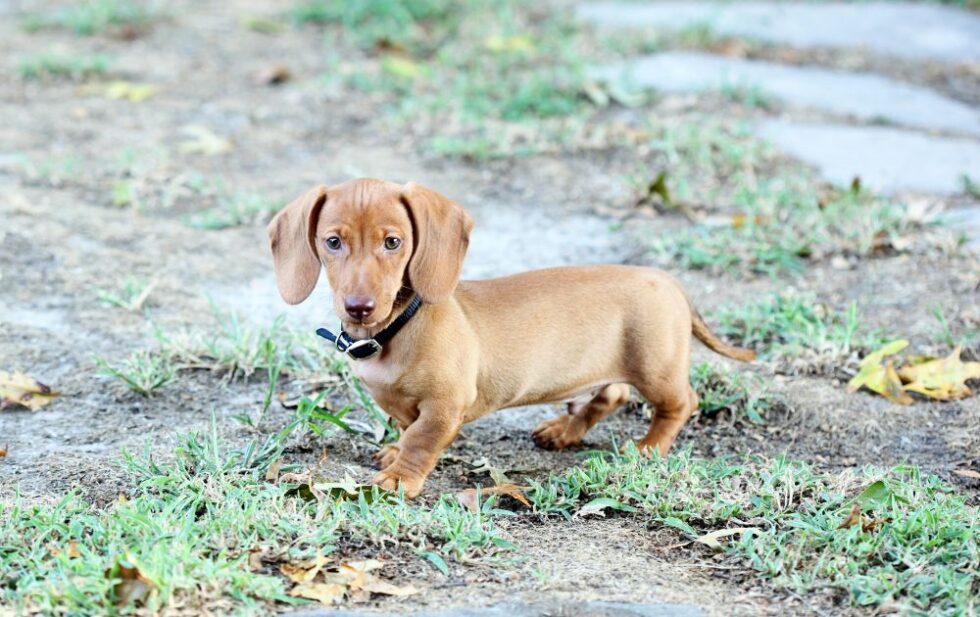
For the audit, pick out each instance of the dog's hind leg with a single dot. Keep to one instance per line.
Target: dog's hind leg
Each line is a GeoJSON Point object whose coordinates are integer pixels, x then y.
{"type": "Point", "coordinates": [569, 429]}
{"type": "Point", "coordinates": [674, 402]}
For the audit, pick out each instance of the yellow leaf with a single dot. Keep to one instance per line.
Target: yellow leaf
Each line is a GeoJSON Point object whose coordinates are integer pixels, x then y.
{"type": "Point", "coordinates": [130, 91]}
{"type": "Point", "coordinates": [510, 44]}
{"type": "Point", "coordinates": [325, 593]}
{"type": "Point", "coordinates": [881, 378]}
{"type": "Point", "coordinates": [943, 379]}
{"type": "Point", "coordinates": [202, 140]}
{"type": "Point", "coordinates": [401, 67]}
{"type": "Point", "coordinates": [19, 389]}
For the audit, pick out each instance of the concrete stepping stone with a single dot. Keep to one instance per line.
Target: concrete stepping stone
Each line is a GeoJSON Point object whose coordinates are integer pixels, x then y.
{"type": "Point", "coordinates": [539, 609]}
{"type": "Point", "coordinates": [864, 96]}
{"type": "Point", "coordinates": [886, 159]}
{"type": "Point", "coordinates": [908, 30]}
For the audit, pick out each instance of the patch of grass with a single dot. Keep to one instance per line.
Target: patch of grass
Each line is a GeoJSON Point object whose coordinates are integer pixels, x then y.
{"type": "Point", "coordinates": [915, 548]}
{"type": "Point", "coordinates": [143, 372]}
{"type": "Point", "coordinates": [489, 78]}
{"type": "Point", "coordinates": [754, 211]}
{"type": "Point", "coordinates": [190, 525]}
{"type": "Point", "coordinates": [63, 66]}
{"type": "Point", "coordinates": [793, 329]}
{"type": "Point", "coordinates": [132, 297]}
{"type": "Point", "coordinates": [740, 394]}
{"type": "Point", "coordinates": [90, 17]}
{"type": "Point", "coordinates": [233, 209]}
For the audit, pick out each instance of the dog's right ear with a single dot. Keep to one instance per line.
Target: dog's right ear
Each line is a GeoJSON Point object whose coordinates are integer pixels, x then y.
{"type": "Point", "coordinates": [292, 236]}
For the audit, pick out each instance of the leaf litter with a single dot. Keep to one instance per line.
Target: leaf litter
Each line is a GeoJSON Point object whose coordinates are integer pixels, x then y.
{"type": "Point", "coordinates": [941, 379]}
{"type": "Point", "coordinates": [20, 390]}
{"type": "Point", "coordinates": [353, 580]}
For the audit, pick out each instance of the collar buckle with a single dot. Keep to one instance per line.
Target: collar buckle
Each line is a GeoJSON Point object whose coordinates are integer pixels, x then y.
{"type": "Point", "coordinates": [362, 349]}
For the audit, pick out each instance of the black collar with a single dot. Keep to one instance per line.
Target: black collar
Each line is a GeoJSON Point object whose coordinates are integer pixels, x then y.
{"type": "Point", "coordinates": [367, 347]}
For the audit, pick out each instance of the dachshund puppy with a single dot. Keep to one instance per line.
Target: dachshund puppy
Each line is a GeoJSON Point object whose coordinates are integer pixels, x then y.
{"type": "Point", "coordinates": [436, 352]}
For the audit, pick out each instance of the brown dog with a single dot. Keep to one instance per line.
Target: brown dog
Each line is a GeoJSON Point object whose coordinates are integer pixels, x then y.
{"type": "Point", "coordinates": [577, 333]}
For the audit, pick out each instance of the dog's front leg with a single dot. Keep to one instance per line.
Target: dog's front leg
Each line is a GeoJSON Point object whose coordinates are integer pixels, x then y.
{"type": "Point", "coordinates": [420, 446]}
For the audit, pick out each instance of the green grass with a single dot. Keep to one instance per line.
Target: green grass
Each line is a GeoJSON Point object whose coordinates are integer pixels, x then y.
{"type": "Point", "coordinates": [132, 297]}
{"type": "Point", "coordinates": [233, 209]}
{"type": "Point", "coordinates": [754, 211]}
{"type": "Point", "coordinates": [921, 556]}
{"type": "Point", "coordinates": [479, 79]}
{"type": "Point", "coordinates": [63, 66]}
{"type": "Point", "coordinates": [188, 528]}
{"type": "Point", "coordinates": [740, 394]}
{"type": "Point", "coordinates": [90, 17]}
{"type": "Point", "coordinates": [783, 327]}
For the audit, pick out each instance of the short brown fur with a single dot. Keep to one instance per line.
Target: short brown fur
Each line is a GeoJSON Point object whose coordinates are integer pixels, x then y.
{"type": "Point", "coordinates": [577, 334]}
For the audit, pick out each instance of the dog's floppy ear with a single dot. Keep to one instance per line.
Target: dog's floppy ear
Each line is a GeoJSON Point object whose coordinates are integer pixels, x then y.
{"type": "Point", "coordinates": [442, 234]}
{"type": "Point", "coordinates": [292, 235]}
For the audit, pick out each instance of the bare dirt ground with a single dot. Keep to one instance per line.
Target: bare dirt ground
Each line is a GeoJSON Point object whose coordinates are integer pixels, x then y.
{"type": "Point", "coordinates": [62, 239]}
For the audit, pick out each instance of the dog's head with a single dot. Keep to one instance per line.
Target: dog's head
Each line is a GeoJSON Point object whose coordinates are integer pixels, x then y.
{"type": "Point", "coordinates": [375, 239]}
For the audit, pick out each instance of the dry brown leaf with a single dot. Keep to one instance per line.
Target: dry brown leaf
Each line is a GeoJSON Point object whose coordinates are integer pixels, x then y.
{"type": "Point", "coordinates": [304, 571]}
{"type": "Point", "coordinates": [273, 75]}
{"type": "Point", "coordinates": [853, 517]}
{"type": "Point", "coordinates": [19, 389]}
{"type": "Point", "coordinates": [943, 379]}
{"type": "Point", "coordinates": [133, 586]}
{"type": "Point", "coordinates": [272, 473]}
{"type": "Point", "coordinates": [967, 473]}
{"type": "Point", "coordinates": [3, 451]}
{"type": "Point", "coordinates": [711, 539]}
{"type": "Point", "coordinates": [468, 499]}
{"type": "Point", "coordinates": [255, 559]}
{"type": "Point", "coordinates": [326, 594]}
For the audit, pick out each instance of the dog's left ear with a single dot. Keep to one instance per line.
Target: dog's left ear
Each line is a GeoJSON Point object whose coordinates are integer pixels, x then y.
{"type": "Point", "coordinates": [442, 235]}
{"type": "Point", "coordinates": [292, 235]}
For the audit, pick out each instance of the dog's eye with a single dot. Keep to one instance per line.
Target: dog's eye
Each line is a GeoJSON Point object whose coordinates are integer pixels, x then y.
{"type": "Point", "coordinates": [391, 243]}
{"type": "Point", "coordinates": [333, 243]}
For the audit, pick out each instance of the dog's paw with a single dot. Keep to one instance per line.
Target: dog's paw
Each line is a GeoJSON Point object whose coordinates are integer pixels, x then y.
{"type": "Point", "coordinates": [384, 457]}
{"type": "Point", "coordinates": [393, 480]}
{"type": "Point", "coordinates": [560, 432]}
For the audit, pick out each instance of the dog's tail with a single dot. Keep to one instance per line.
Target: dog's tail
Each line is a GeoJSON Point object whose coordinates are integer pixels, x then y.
{"type": "Point", "coordinates": [715, 344]}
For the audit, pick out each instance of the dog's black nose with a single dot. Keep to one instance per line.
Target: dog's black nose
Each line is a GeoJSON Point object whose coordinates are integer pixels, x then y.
{"type": "Point", "coordinates": [358, 307]}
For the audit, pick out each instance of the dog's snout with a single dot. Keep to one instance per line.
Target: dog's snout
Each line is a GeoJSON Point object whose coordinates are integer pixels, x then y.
{"type": "Point", "coordinates": [359, 307]}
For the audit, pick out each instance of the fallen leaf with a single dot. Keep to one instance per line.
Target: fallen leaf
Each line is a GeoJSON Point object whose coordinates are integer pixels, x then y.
{"type": "Point", "coordinates": [879, 378]}
{"type": "Point", "coordinates": [325, 593]}
{"type": "Point", "coordinates": [202, 140]}
{"type": "Point", "coordinates": [401, 67]}
{"type": "Point", "coordinates": [351, 578]}
{"type": "Point", "coordinates": [304, 571]}
{"type": "Point", "coordinates": [272, 473]}
{"type": "Point", "coordinates": [597, 507]}
{"type": "Point", "coordinates": [273, 75]}
{"type": "Point", "coordinates": [468, 497]}
{"type": "Point", "coordinates": [852, 518]}
{"type": "Point", "coordinates": [255, 560]}
{"type": "Point", "coordinates": [509, 44]}
{"type": "Point", "coordinates": [967, 473]}
{"type": "Point", "coordinates": [133, 585]}
{"type": "Point", "coordinates": [711, 539]}
{"type": "Point", "coordinates": [20, 389]}
{"type": "Point", "coordinates": [943, 379]}
{"type": "Point", "coordinates": [347, 488]}
{"type": "Point", "coordinates": [129, 91]}
{"type": "Point", "coordinates": [874, 494]}
{"type": "Point", "coordinates": [3, 451]}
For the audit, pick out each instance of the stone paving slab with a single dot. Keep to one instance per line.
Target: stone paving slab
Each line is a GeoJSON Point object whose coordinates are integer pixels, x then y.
{"type": "Point", "coordinates": [918, 31]}
{"type": "Point", "coordinates": [886, 159]}
{"type": "Point", "coordinates": [542, 609]}
{"type": "Point", "coordinates": [861, 95]}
